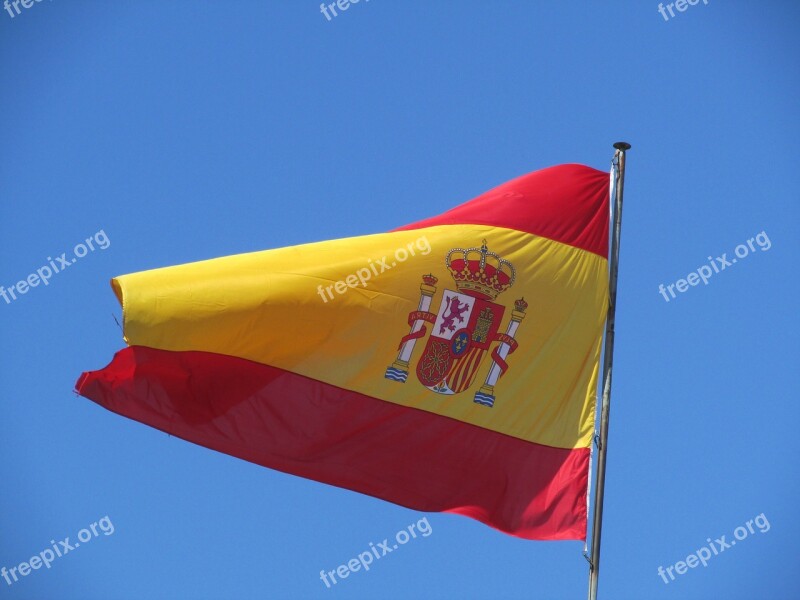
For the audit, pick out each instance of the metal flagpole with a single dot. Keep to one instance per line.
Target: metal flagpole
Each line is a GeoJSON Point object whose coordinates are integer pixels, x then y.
{"type": "Point", "coordinates": [608, 358]}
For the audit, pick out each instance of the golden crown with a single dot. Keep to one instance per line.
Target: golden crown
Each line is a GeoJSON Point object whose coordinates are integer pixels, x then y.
{"type": "Point", "coordinates": [480, 271]}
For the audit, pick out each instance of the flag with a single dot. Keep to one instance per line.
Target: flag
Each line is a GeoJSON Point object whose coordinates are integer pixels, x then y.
{"type": "Point", "coordinates": [446, 366]}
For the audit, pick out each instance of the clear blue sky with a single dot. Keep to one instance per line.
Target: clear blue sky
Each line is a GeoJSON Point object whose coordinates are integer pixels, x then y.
{"type": "Point", "coordinates": [190, 130]}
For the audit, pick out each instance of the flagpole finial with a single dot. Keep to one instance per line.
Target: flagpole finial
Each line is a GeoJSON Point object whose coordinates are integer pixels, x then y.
{"type": "Point", "coordinates": [622, 146]}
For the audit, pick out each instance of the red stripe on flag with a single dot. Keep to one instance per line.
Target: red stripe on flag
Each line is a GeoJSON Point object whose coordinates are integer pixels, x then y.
{"type": "Point", "coordinates": [566, 203]}
{"type": "Point", "coordinates": [298, 425]}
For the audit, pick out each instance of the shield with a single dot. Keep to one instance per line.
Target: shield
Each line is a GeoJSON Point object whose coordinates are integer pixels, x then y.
{"type": "Point", "coordinates": [464, 329]}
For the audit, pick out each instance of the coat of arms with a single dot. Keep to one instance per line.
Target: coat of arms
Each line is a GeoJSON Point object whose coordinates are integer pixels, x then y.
{"type": "Point", "coordinates": [464, 328]}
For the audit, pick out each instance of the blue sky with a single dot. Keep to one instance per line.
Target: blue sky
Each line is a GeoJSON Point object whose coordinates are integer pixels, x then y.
{"type": "Point", "coordinates": [186, 131]}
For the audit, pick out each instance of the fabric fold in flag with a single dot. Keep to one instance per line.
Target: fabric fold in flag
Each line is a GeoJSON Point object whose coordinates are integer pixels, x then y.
{"type": "Point", "coordinates": [449, 365]}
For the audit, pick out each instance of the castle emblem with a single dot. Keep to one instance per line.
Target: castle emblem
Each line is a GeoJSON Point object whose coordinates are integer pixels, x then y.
{"type": "Point", "coordinates": [464, 328]}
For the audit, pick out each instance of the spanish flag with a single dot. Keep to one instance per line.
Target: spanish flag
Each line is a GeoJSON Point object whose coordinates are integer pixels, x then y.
{"type": "Point", "coordinates": [449, 365]}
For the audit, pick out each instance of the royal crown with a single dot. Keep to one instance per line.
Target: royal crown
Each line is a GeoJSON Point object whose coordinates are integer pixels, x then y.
{"type": "Point", "coordinates": [480, 271]}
